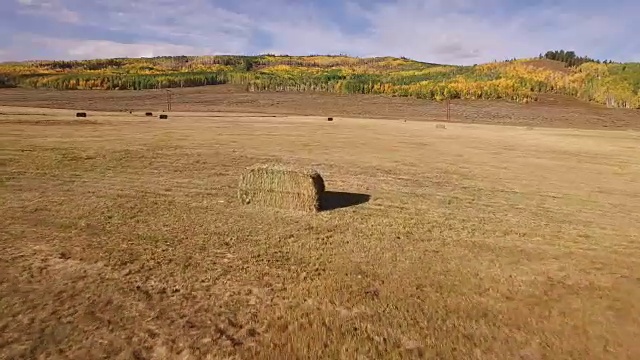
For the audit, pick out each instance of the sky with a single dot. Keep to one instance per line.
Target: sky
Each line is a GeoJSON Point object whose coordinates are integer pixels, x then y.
{"type": "Point", "coordinates": [440, 31]}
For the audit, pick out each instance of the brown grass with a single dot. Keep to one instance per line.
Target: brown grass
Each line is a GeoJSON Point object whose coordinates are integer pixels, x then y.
{"type": "Point", "coordinates": [551, 111]}
{"type": "Point", "coordinates": [547, 64]}
{"type": "Point", "coordinates": [281, 186]}
{"type": "Point", "coordinates": [124, 239]}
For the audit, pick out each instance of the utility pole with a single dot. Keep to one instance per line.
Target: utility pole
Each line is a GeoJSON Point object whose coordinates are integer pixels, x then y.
{"type": "Point", "coordinates": [169, 95]}
{"type": "Point", "coordinates": [448, 104]}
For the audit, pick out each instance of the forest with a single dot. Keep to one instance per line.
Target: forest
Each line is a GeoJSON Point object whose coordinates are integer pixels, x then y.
{"type": "Point", "coordinates": [557, 72]}
{"type": "Point", "coordinates": [570, 58]}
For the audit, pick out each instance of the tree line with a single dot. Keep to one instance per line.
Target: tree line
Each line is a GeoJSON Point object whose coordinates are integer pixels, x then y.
{"type": "Point", "coordinates": [616, 85]}
{"type": "Point", "coordinates": [570, 58]}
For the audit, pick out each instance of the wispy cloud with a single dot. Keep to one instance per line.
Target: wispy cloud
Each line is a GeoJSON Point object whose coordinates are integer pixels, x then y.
{"type": "Point", "coordinates": [88, 49]}
{"type": "Point", "coordinates": [451, 31]}
{"type": "Point", "coordinates": [53, 9]}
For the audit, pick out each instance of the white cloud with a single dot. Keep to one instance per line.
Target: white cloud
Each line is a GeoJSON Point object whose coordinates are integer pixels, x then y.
{"type": "Point", "coordinates": [445, 31]}
{"type": "Point", "coordinates": [91, 49]}
{"type": "Point", "coordinates": [53, 9]}
{"type": "Point", "coordinates": [195, 23]}
{"type": "Point", "coordinates": [86, 49]}
{"type": "Point", "coordinates": [460, 31]}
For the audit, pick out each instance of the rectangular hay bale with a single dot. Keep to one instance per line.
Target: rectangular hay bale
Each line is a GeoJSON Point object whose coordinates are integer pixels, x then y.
{"type": "Point", "coordinates": [283, 187]}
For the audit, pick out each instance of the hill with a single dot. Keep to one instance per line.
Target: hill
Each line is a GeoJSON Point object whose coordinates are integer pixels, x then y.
{"type": "Point", "coordinates": [612, 84]}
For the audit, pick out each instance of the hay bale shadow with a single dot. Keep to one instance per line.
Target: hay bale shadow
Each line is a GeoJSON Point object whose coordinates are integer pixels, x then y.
{"type": "Point", "coordinates": [333, 200]}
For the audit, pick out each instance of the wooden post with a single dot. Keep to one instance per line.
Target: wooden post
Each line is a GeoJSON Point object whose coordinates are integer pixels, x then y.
{"type": "Point", "coordinates": [448, 101]}
{"type": "Point", "coordinates": [168, 100]}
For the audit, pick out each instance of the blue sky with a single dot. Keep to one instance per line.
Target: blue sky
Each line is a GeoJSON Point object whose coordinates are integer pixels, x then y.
{"type": "Point", "coordinates": [443, 31]}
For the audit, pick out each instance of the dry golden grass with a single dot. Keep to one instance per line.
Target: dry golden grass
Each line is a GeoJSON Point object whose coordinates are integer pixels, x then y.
{"type": "Point", "coordinates": [121, 237]}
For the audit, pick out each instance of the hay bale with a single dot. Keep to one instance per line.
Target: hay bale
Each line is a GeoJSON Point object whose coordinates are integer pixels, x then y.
{"type": "Point", "coordinates": [441, 126]}
{"type": "Point", "coordinates": [163, 117]}
{"type": "Point", "coordinates": [283, 187]}
{"type": "Point", "coordinates": [148, 114]}
{"type": "Point", "coordinates": [81, 114]}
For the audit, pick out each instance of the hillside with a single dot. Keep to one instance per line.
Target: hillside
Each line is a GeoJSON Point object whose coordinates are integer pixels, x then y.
{"type": "Point", "coordinates": [611, 84]}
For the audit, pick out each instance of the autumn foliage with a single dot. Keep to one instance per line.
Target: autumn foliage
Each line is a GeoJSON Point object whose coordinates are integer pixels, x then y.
{"type": "Point", "coordinates": [613, 84]}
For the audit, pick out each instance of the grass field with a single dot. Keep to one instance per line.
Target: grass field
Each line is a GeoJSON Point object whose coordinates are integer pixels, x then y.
{"type": "Point", "coordinates": [121, 238]}
{"type": "Point", "coordinates": [550, 111]}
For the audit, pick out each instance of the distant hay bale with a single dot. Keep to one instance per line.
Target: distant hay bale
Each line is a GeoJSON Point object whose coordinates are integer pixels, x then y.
{"type": "Point", "coordinates": [330, 119]}
{"type": "Point", "coordinates": [81, 114]}
{"type": "Point", "coordinates": [441, 126]}
{"type": "Point", "coordinates": [148, 114]}
{"type": "Point", "coordinates": [163, 117]}
{"type": "Point", "coordinates": [283, 187]}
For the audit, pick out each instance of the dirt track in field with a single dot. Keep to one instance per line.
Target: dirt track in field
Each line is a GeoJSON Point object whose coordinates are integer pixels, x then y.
{"type": "Point", "coordinates": [549, 111]}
